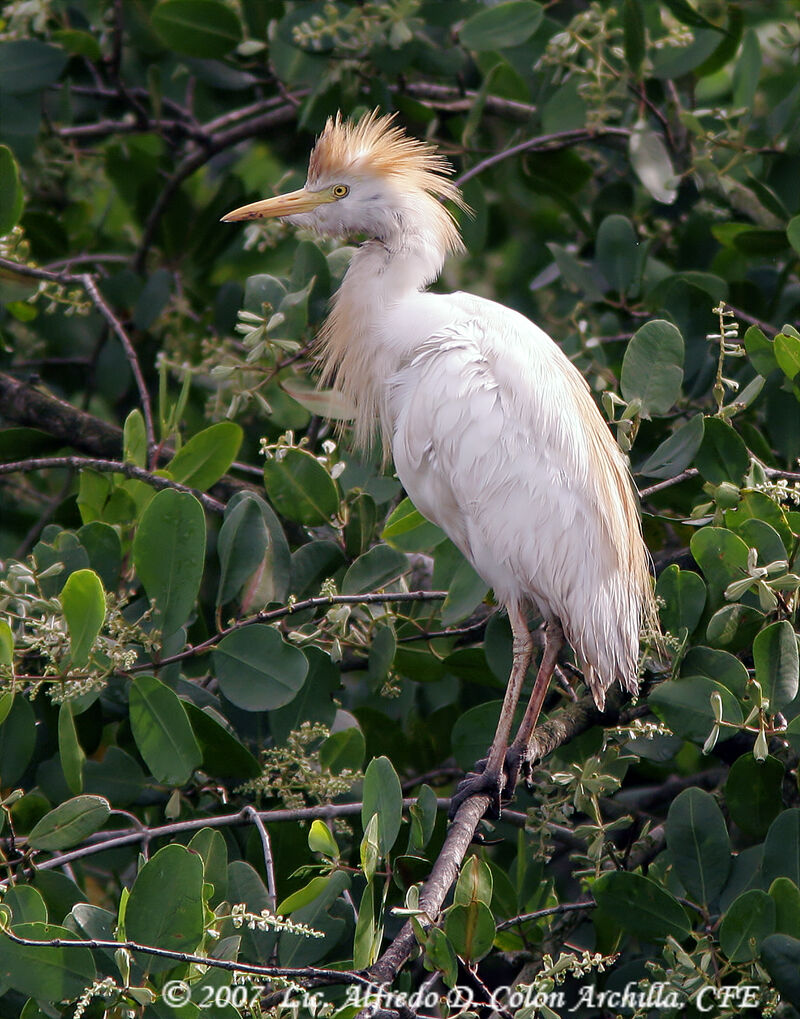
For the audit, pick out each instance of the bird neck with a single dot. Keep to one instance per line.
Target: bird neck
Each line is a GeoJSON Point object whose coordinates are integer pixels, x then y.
{"type": "Point", "coordinates": [358, 350]}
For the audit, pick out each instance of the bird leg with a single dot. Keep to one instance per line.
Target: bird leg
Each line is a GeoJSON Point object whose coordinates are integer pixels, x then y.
{"type": "Point", "coordinates": [518, 755]}
{"type": "Point", "coordinates": [490, 775]}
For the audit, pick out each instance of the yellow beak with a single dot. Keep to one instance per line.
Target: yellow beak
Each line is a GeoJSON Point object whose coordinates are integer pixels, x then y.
{"type": "Point", "coordinates": [283, 205]}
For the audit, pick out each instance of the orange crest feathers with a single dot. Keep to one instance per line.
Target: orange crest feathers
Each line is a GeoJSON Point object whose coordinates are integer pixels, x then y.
{"type": "Point", "coordinates": [375, 146]}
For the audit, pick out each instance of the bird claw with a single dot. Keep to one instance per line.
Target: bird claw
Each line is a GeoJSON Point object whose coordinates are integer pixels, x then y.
{"type": "Point", "coordinates": [479, 783]}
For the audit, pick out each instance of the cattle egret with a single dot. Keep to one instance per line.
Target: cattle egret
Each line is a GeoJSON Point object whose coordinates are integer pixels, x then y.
{"type": "Point", "coordinates": [494, 433]}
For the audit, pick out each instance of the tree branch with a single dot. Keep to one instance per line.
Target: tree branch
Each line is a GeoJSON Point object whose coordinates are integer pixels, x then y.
{"type": "Point", "coordinates": [557, 730]}
{"type": "Point", "coordinates": [110, 466]}
{"type": "Point", "coordinates": [87, 281]}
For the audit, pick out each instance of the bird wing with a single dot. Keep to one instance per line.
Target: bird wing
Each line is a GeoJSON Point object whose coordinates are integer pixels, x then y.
{"type": "Point", "coordinates": [496, 438]}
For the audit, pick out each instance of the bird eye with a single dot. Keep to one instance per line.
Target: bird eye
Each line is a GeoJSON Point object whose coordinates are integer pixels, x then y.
{"type": "Point", "coordinates": [340, 190]}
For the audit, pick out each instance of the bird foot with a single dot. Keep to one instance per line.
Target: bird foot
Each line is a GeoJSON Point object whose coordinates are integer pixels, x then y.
{"type": "Point", "coordinates": [480, 783]}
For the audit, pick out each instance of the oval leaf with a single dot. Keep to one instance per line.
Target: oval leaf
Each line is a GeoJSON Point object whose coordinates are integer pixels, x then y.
{"type": "Point", "coordinates": [504, 24]}
{"type": "Point", "coordinates": [198, 28]}
{"type": "Point", "coordinates": [383, 796]}
{"type": "Point", "coordinates": [70, 822]}
{"type": "Point", "coordinates": [300, 488]}
{"type": "Point", "coordinates": [652, 368]}
{"type": "Point", "coordinates": [748, 921]}
{"type": "Point", "coordinates": [257, 670]}
{"type": "Point", "coordinates": [206, 456]}
{"type": "Point", "coordinates": [165, 908]}
{"type": "Point", "coordinates": [84, 603]}
{"type": "Point", "coordinates": [641, 906]}
{"type": "Point", "coordinates": [698, 841]}
{"type": "Point", "coordinates": [168, 553]}
{"type": "Point", "coordinates": [777, 664]}
{"type": "Point", "coordinates": [162, 731]}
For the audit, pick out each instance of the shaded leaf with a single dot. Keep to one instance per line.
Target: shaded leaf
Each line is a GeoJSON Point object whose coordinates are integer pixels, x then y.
{"type": "Point", "coordinates": [70, 822]}
{"type": "Point", "coordinates": [257, 670]}
{"type": "Point", "coordinates": [652, 368]}
{"type": "Point", "coordinates": [162, 731]}
{"type": "Point", "coordinates": [746, 923]}
{"type": "Point", "coordinates": [202, 461]}
{"type": "Point", "coordinates": [698, 842]}
{"type": "Point", "coordinates": [300, 488]}
{"type": "Point", "coordinates": [641, 906]}
{"type": "Point", "coordinates": [505, 24]}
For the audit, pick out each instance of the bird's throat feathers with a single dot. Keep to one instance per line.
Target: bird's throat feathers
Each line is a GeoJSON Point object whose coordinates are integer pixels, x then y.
{"type": "Point", "coordinates": [357, 350]}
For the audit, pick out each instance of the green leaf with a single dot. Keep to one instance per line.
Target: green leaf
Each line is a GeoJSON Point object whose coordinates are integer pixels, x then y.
{"type": "Point", "coordinates": [84, 603]}
{"type": "Point", "coordinates": [242, 542]}
{"type": "Point", "coordinates": [162, 731]}
{"type": "Point", "coordinates": [362, 516]}
{"type": "Point", "coordinates": [500, 26]}
{"type": "Point", "coordinates": [343, 750]}
{"type": "Point", "coordinates": [793, 233]}
{"type": "Point", "coordinates": [168, 553]}
{"type": "Point", "coordinates": [781, 957]}
{"type": "Point", "coordinates": [314, 702]}
{"type": "Point", "coordinates": [753, 793]}
{"type": "Point", "coordinates": [257, 670]}
{"type": "Point", "coordinates": [364, 937]}
{"type": "Point", "coordinates": [634, 35]}
{"type": "Point", "coordinates": [406, 529]}
{"type": "Point", "coordinates": [787, 354]}
{"type": "Point", "coordinates": [746, 70]}
{"type": "Point", "coordinates": [439, 954]}
{"type": "Point", "coordinates": [213, 850]}
{"type": "Point", "coordinates": [466, 591]}
{"type": "Point", "coordinates": [245, 885]}
{"type": "Point", "coordinates": [687, 14]}
{"type": "Point", "coordinates": [684, 596]}
{"type": "Point", "coordinates": [374, 570]}
{"type": "Point", "coordinates": [296, 950]}
{"type": "Point", "coordinates": [300, 488]}
{"type": "Point", "coordinates": [722, 455]}
{"type": "Point", "coordinates": [776, 661]}
{"type": "Point", "coordinates": [206, 456]}
{"type": "Point", "coordinates": [747, 922]}
{"type": "Point", "coordinates": [698, 843]}
{"type": "Point", "coordinates": [6, 648]}
{"type": "Point", "coordinates": [383, 796]}
{"type": "Point", "coordinates": [134, 439]}
{"type": "Point", "coordinates": [786, 896]}
{"type": "Point", "coordinates": [69, 749]}
{"type": "Point", "coordinates": [26, 904]}
{"type": "Point", "coordinates": [616, 252]}
{"type": "Point", "coordinates": [197, 28]}
{"type": "Point", "coordinates": [760, 350]}
{"type": "Point", "coordinates": [474, 883]}
{"type": "Point", "coordinates": [223, 755]}
{"type": "Point", "coordinates": [27, 65]}
{"type": "Point", "coordinates": [320, 840]}
{"type": "Point", "coordinates": [652, 368]}
{"type": "Point", "coordinates": [46, 973]}
{"type": "Point", "coordinates": [17, 740]}
{"type": "Point", "coordinates": [165, 907]}
{"type": "Point", "coordinates": [782, 847]}
{"type": "Point", "coordinates": [104, 549]}
{"type": "Point", "coordinates": [423, 820]}
{"type": "Point", "coordinates": [722, 556]}
{"type": "Point", "coordinates": [685, 705]}
{"type": "Point", "coordinates": [11, 196]}
{"type": "Point", "coordinates": [641, 906]}
{"type": "Point", "coordinates": [717, 665]}
{"type": "Point", "coordinates": [470, 929]}
{"type": "Point", "coordinates": [70, 822]}
{"type": "Point", "coordinates": [675, 454]}
{"type": "Point", "coordinates": [652, 164]}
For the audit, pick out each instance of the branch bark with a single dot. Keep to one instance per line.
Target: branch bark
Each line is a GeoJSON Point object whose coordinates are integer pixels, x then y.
{"type": "Point", "coordinates": [553, 733]}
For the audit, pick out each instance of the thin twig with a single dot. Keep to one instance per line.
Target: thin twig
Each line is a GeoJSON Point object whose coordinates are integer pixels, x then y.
{"type": "Point", "coordinates": [109, 466]}
{"type": "Point", "coordinates": [328, 976]}
{"type": "Point", "coordinates": [321, 601]}
{"type": "Point", "coordinates": [88, 283]}
{"type": "Point", "coordinates": [564, 907]}
{"type": "Point", "coordinates": [557, 140]}
{"type": "Point", "coordinates": [692, 472]}
{"type": "Point", "coordinates": [266, 845]}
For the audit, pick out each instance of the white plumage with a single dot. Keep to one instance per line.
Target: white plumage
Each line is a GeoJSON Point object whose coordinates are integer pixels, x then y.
{"type": "Point", "coordinates": [494, 433]}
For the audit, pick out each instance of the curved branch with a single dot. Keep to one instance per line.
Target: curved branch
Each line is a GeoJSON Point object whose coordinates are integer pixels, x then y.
{"type": "Point", "coordinates": [557, 730]}
{"type": "Point", "coordinates": [89, 284]}
{"type": "Point", "coordinates": [322, 601]}
{"type": "Point", "coordinates": [107, 467]}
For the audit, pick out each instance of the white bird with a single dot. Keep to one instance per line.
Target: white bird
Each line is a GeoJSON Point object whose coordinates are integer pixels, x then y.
{"type": "Point", "coordinates": [494, 433]}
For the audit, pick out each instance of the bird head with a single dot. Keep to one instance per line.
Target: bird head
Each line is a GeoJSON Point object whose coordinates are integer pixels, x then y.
{"type": "Point", "coordinates": [368, 177]}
